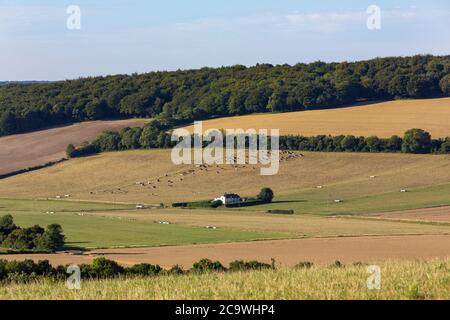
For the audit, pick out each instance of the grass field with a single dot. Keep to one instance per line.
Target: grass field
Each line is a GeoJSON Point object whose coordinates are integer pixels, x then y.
{"type": "Point", "coordinates": [102, 225]}
{"type": "Point", "coordinates": [381, 119]}
{"type": "Point", "coordinates": [406, 280]}
{"type": "Point", "coordinates": [86, 228]}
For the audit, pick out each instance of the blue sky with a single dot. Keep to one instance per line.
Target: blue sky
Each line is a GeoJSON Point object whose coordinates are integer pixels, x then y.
{"type": "Point", "coordinates": [146, 35]}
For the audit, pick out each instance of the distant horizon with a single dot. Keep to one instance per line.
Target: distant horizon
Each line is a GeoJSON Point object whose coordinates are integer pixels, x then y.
{"type": "Point", "coordinates": [211, 67]}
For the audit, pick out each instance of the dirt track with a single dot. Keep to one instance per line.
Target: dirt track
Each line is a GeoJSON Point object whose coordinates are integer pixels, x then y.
{"type": "Point", "coordinates": [286, 252]}
{"type": "Point", "coordinates": [31, 149]}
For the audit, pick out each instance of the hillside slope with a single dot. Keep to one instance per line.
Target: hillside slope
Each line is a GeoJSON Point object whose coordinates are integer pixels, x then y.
{"type": "Point", "coordinates": [150, 177]}
{"type": "Point", "coordinates": [37, 148]}
{"type": "Point", "coordinates": [381, 119]}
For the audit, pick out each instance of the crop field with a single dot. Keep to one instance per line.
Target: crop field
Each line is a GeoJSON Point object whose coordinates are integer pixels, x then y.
{"type": "Point", "coordinates": [95, 200]}
{"type": "Point", "coordinates": [22, 151]}
{"type": "Point", "coordinates": [400, 280]}
{"type": "Point", "coordinates": [150, 177]}
{"type": "Point", "coordinates": [383, 119]}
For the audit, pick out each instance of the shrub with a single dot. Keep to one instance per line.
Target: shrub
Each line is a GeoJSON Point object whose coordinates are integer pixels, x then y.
{"type": "Point", "coordinates": [240, 265]}
{"type": "Point", "coordinates": [281, 211]}
{"type": "Point", "coordinates": [266, 195]}
{"type": "Point", "coordinates": [179, 205]}
{"type": "Point", "coordinates": [337, 264]}
{"type": "Point", "coordinates": [176, 270]}
{"type": "Point", "coordinates": [206, 265]}
{"type": "Point", "coordinates": [102, 268]}
{"type": "Point", "coordinates": [144, 269]}
{"type": "Point", "coordinates": [445, 147]}
{"type": "Point", "coordinates": [70, 150]}
{"type": "Point", "coordinates": [304, 265]}
{"type": "Point", "coordinates": [217, 203]}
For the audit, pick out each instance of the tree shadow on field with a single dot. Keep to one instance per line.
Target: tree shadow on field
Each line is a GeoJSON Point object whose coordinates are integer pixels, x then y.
{"type": "Point", "coordinates": [75, 246]}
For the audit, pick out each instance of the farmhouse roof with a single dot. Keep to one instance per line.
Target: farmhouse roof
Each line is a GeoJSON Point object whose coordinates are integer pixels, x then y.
{"type": "Point", "coordinates": [231, 195]}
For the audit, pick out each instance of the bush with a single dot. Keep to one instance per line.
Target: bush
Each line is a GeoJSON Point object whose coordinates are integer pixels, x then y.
{"type": "Point", "coordinates": [281, 211]}
{"type": "Point", "coordinates": [206, 265]}
{"type": "Point", "coordinates": [445, 147]}
{"type": "Point", "coordinates": [304, 265]}
{"type": "Point", "coordinates": [217, 203]}
{"type": "Point", "coordinates": [179, 205]}
{"type": "Point", "coordinates": [144, 269]}
{"type": "Point", "coordinates": [70, 150]}
{"type": "Point", "coordinates": [101, 268]}
{"type": "Point", "coordinates": [240, 265]}
{"type": "Point", "coordinates": [176, 270]}
{"type": "Point", "coordinates": [337, 264]}
{"type": "Point", "coordinates": [266, 195]}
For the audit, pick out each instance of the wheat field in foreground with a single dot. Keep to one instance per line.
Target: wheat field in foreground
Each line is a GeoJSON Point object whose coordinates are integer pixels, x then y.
{"type": "Point", "coordinates": [406, 280]}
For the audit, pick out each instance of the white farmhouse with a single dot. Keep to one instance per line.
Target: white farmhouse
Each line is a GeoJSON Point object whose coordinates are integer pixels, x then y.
{"type": "Point", "coordinates": [229, 198]}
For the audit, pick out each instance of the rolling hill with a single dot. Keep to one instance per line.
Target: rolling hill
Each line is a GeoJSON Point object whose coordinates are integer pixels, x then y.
{"type": "Point", "coordinates": [150, 177]}
{"type": "Point", "coordinates": [36, 148]}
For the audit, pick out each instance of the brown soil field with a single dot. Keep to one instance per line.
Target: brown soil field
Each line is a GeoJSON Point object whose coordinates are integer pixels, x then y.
{"type": "Point", "coordinates": [151, 177]}
{"type": "Point", "coordinates": [36, 148]}
{"type": "Point", "coordinates": [439, 214]}
{"type": "Point", "coordinates": [286, 252]}
{"type": "Point", "coordinates": [380, 119]}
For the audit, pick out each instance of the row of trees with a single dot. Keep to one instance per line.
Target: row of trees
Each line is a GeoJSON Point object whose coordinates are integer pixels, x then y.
{"type": "Point", "coordinates": [155, 135]}
{"type": "Point", "coordinates": [102, 268]}
{"type": "Point", "coordinates": [183, 96]}
{"type": "Point", "coordinates": [34, 238]}
{"type": "Point", "coordinates": [414, 141]}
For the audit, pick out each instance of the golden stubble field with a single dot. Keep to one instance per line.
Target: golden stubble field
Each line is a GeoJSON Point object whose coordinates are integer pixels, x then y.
{"type": "Point", "coordinates": [150, 177]}
{"type": "Point", "coordinates": [383, 119]}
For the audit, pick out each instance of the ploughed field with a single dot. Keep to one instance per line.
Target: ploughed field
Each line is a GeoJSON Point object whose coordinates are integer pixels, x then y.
{"type": "Point", "coordinates": [27, 150]}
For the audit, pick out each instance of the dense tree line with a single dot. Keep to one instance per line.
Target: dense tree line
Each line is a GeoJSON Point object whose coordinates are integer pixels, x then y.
{"type": "Point", "coordinates": [414, 141]}
{"type": "Point", "coordinates": [182, 96]}
{"type": "Point", "coordinates": [34, 238]}
{"type": "Point", "coordinates": [156, 135]}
